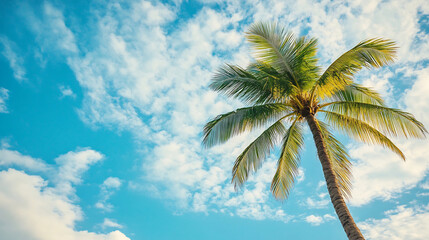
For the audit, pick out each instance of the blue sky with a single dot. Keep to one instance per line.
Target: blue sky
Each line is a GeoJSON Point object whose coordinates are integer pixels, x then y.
{"type": "Point", "coordinates": [102, 105]}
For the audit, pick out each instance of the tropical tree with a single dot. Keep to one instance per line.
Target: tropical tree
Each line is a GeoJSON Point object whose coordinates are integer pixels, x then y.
{"type": "Point", "coordinates": [286, 89]}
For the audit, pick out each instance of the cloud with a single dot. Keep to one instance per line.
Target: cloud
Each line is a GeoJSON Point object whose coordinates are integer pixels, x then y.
{"type": "Point", "coordinates": [4, 95]}
{"type": "Point", "coordinates": [52, 33]}
{"type": "Point", "coordinates": [401, 223]}
{"type": "Point", "coordinates": [107, 189]}
{"type": "Point", "coordinates": [71, 167]}
{"type": "Point", "coordinates": [110, 223]}
{"type": "Point", "coordinates": [31, 210]}
{"type": "Point", "coordinates": [34, 208]}
{"type": "Point", "coordinates": [10, 158]}
{"type": "Point", "coordinates": [317, 220]}
{"type": "Point", "coordinates": [378, 173]}
{"type": "Point", "coordinates": [322, 202]}
{"type": "Point", "coordinates": [16, 62]}
{"type": "Point", "coordinates": [66, 92]}
{"type": "Point", "coordinates": [111, 183]}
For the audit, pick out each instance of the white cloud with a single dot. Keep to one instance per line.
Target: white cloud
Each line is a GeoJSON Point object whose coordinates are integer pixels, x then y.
{"type": "Point", "coordinates": [329, 217]}
{"type": "Point", "coordinates": [316, 220]}
{"type": "Point", "coordinates": [112, 183]}
{"type": "Point", "coordinates": [66, 92]}
{"type": "Point", "coordinates": [74, 163]}
{"type": "Point", "coordinates": [10, 158]}
{"type": "Point", "coordinates": [57, 28]}
{"type": "Point", "coordinates": [16, 62]}
{"type": "Point", "coordinates": [380, 174]}
{"type": "Point", "coordinates": [416, 99]}
{"type": "Point", "coordinates": [31, 210]}
{"type": "Point", "coordinates": [425, 185]}
{"type": "Point", "coordinates": [401, 223]}
{"type": "Point", "coordinates": [322, 201]}
{"type": "Point", "coordinates": [301, 174]}
{"type": "Point", "coordinates": [71, 167]}
{"type": "Point", "coordinates": [388, 175]}
{"type": "Point", "coordinates": [4, 95]}
{"type": "Point", "coordinates": [107, 189]}
{"type": "Point", "coordinates": [110, 223]}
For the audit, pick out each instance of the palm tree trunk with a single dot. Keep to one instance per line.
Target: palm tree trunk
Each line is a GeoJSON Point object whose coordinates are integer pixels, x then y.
{"type": "Point", "coordinates": [352, 231]}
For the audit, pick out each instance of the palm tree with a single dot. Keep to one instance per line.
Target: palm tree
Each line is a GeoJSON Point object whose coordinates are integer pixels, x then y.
{"type": "Point", "coordinates": [284, 86]}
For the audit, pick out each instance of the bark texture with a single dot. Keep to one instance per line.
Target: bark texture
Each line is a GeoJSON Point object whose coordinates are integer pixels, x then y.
{"type": "Point", "coordinates": [346, 219]}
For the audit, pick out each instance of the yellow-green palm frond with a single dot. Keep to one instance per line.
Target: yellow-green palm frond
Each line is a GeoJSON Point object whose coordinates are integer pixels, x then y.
{"type": "Point", "coordinates": [279, 85]}
{"type": "Point", "coordinates": [371, 53]}
{"type": "Point", "coordinates": [390, 121]}
{"type": "Point", "coordinates": [244, 85]}
{"type": "Point", "coordinates": [251, 159]}
{"type": "Point", "coordinates": [360, 130]}
{"type": "Point", "coordinates": [357, 93]}
{"type": "Point", "coordinates": [227, 125]}
{"type": "Point", "coordinates": [293, 58]}
{"type": "Point", "coordinates": [305, 62]}
{"type": "Point", "coordinates": [272, 44]}
{"type": "Point", "coordinates": [340, 160]}
{"type": "Point", "coordinates": [288, 163]}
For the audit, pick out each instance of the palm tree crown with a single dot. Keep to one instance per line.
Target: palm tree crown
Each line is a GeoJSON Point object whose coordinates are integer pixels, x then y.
{"type": "Point", "coordinates": [285, 88]}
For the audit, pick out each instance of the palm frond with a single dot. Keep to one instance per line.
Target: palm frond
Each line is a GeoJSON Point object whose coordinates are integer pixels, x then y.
{"type": "Point", "coordinates": [279, 85]}
{"type": "Point", "coordinates": [227, 125]}
{"type": "Point", "coordinates": [371, 53]}
{"type": "Point", "coordinates": [305, 62]}
{"type": "Point", "coordinates": [357, 93]}
{"type": "Point", "coordinates": [293, 58]}
{"type": "Point", "coordinates": [251, 158]}
{"type": "Point", "coordinates": [239, 83]}
{"type": "Point", "coordinates": [360, 131]}
{"type": "Point", "coordinates": [339, 158]}
{"type": "Point", "coordinates": [288, 163]}
{"type": "Point", "coordinates": [390, 121]}
{"type": "Point", "coordinates": [272, 45]}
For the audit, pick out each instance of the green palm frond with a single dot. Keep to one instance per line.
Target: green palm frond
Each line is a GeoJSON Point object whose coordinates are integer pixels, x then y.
{"type": "Point", "coordinates": [305, 62]}
{"type": "Point", "coordinates": [236, 82]}
{"type": "Point", "coordinates": [357, 93]}
{"type": "Point", "coordinates": [293, 58]}
{"type": "Point", "coordinates": [360, 131]}
{"type": "Point", "coordinates": [372, 53]}
{"type": "Point", "coordinates": [390, 121]}
{"type": "Point", "coordinates": [272, 45]}
{"type": "Point", "coordinates": [288, 163]}
{"type": "Point", "coordinates": [340, 160]}
{"type": "Point", "coordinates": [227, 125]}
{"type": "Point", "coordinates": [251, 158]}
{"type": "Point", "coordinates": [279, 85]}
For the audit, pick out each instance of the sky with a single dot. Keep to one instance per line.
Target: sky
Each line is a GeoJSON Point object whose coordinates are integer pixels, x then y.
{"type": "Point", "coordinates": [102, 105]}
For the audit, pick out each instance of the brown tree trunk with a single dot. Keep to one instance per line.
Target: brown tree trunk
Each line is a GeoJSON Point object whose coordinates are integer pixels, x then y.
{"type": "Point", "coordinates": [352, 231]}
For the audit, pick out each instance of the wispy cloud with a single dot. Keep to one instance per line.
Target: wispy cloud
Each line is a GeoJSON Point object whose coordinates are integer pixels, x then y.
{"type": "Point", "coordinates": [66, 91]}
{"type": "Point", "coordinates": [107, 189]}
{"type": "Point", "coordinates": [52, 33]}
{"type": "Point", "coordinates": [389, 175]}
{"type": "Point", "coordinates": [404, 222]}
{"type": "Point", "coordinates": [110, 223]}
{"type": "Point", "coordinates": [10, 158]}
{"type": "Point", "coordinates": [16, 62]}
{"type": "Point", "coordinates": [71, 167]}
{"type": "Point", "coordinates": [316, 220]}
{"type": "Point", "coordinates": [321, 202]}
{"type": "Point", "coordinates": [4, 95]}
